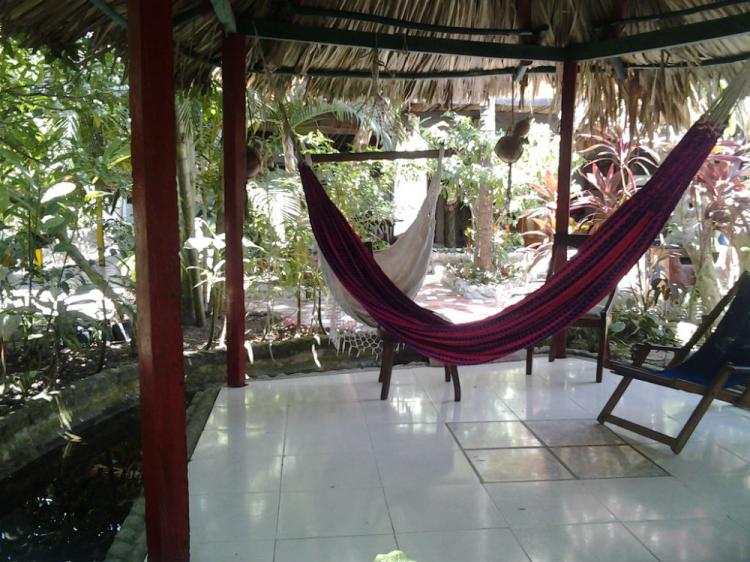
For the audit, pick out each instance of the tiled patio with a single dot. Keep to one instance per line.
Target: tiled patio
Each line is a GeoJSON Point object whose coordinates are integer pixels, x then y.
{"type": "Point", "coordinates": [318, 469]}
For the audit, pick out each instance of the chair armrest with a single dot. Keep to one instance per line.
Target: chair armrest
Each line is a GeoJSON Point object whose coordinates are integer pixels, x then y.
{"type": "Point", "coordinates": [740, 370]}
{"type": "Point", "coordinates": [659, 347]}
{"type": "Point", "coordinates": [627, 369]}
{"type": "Point", "coordinates": [640, 351]}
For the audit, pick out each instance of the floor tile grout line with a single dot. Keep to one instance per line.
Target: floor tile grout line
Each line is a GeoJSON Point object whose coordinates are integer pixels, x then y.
{"type": "Point", "coordinates": [520, 544]}
{"type": "Point", "coordinates": [382, 485]}
{"type": "Point", "coordinates": [549, 448]}
{"type": "Point", "coordinates": [644, 545]}
{"type": "Point", "coordinates": [281, 479]}
{"type": "Point", "coordinates": [463, 451]}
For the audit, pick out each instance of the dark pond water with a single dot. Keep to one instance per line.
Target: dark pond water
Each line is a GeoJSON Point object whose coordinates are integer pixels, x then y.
{"type": "Point", "coordinates": [69, 505]}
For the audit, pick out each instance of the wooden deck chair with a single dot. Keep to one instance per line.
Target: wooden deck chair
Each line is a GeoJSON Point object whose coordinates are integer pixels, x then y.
{"type": "Point", "coordinates": [720, 368]}
{"type": "Point", "coordinates": [598, 318]}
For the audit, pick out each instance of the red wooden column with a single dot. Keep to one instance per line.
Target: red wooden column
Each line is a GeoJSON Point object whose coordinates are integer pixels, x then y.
{"type": "Point", "coordinates": [562, 211]}
{"type": "Point", "coordinates": [154, 162]}
{"type": "Point", "coordinates": [235, 173]}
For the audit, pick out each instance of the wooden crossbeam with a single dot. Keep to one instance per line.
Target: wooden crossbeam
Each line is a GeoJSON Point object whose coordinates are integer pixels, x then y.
{"type": "Point", "coordinates": [479, 72]}
{"type": "Point", "coordinates": [661, 39]}
{"type": "Point", "coordinates": [282, 31]}
{"type": "Point", "coordinates": [375, 155]}
{"type": "Point", "coordinates": [104, 8]}
{"type": "Point", "coordinates": [421, 26]}
{"type": "Point", "coordinates": [593, 50]}
{"type": "Point", "coordinates": [396, 76]}
{"type": "Point", "coordinates": [679, 13]}
{"type": "Point", "coordinates": [739, 57]}
{"type": "Point", "coordinates": [225, 14]}
{"type": "Point", "coordinates": [379, 155]}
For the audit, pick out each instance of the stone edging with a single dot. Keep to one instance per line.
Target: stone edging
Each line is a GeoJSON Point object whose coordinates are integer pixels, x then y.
{"type": "Point", "coordinates": [129, 544]}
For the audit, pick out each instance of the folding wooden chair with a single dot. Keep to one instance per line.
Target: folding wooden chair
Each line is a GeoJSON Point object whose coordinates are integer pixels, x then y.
{"type": "Point", "coordinates": [598, 318]}
{"type": "Point", "coordinates": [720, 368]}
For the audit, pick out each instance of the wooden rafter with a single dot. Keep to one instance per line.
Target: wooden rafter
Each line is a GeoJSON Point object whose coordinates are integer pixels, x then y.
{"type": "Point", "coordinates": [594, 50]}
{"type": "Point", "coordinates": [661, 39]}
{"type": "Point", "coordinates": [420, 26]}
{"type": "Point", "coordinates": [116, 18]}
{"type": "Point", "coordinates": [281, 31]}
{"type": "Point", "coordinates": [379, 155]}
{"type": "Point", "coordinates": [680, 13]}
{"type": "Point", "coordinates": [480, 72]}
{"type": "Point", "coordinates": [384, 75]}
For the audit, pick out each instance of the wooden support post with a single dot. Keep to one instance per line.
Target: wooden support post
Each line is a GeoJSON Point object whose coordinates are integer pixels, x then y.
{"type": "Point", "coordinates": [562, 212]}
{"type": "Point", "coordinates": [152, 111]}
{"type": "Point", "coordinates": [233, 77]}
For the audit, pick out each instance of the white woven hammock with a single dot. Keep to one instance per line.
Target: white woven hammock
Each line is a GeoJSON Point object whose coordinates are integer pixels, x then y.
{"type": "Point", "coordinates": [405, 261]}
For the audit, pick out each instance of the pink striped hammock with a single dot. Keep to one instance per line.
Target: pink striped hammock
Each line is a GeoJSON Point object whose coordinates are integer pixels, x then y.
{"type": "Point", "coordinates": [584, 281]}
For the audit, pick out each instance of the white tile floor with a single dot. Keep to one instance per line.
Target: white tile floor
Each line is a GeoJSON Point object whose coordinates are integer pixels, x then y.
{"type": "Point", "coordinates": [318, 469]}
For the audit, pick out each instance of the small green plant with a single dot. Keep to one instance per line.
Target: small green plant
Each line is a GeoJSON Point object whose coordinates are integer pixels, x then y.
{"type": "Point", "coordinates": [395, 556]}
{"type": "Point", "coordinates": [631, 325]}
{"type": "Point", "coordinates": [471, 273]}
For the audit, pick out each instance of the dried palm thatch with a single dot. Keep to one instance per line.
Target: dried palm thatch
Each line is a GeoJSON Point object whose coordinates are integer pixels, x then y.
{"type": "Point", "coordinates": [660, 87]}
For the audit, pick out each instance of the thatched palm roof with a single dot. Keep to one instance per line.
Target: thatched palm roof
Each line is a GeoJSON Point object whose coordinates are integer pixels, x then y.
{"type": "Point", "coordinates": [659, 84]}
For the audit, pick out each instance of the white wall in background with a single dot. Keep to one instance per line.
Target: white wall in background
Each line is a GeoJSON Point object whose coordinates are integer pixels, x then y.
{"type": "Point", "coordinates": [410, 189]}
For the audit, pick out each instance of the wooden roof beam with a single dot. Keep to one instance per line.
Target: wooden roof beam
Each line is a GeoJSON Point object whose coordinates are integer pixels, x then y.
{"type": "Point", "coordinates": [113, 15]}
{"type": "Point", "coordinates": [478, 72]}
{"type": "Point", "coordinates": [677, 13]}
{"type": "Point", "coordinates": [180, 19]}
{"type": "Point", "coordinates": [225, 14]}
{"type": "Point", "coordinates": [420, 26]}
{"type": "Point", "coordinates": [282, 31]}
{"type": "Point", "coordinates": [661, 39]}
{"type": "Point", "coordinates": [406, 76]}
{"type": "Point", "coordinates": [523, 20]}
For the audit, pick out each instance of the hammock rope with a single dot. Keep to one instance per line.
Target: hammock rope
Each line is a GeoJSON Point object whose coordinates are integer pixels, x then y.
{"type": "Point", "coordinates": [579, 285]}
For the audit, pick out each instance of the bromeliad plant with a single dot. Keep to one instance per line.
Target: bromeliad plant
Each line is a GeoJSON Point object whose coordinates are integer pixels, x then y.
{"type": "Point", "coordinates": [611, 170]}
{"type": "Point", "coordinates": [539, 234]}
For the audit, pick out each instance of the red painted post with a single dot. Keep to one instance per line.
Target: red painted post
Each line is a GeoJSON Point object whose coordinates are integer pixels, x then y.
{"type": "Point", "coordinates": [235, 173]}
{"type": "Point", "coordinates": [562, 211]}
{"type": "Point", "coordinates": [154, 162]}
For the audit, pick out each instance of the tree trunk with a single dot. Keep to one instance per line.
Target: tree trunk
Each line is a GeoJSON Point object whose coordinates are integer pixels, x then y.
{"type": "Point", "coordinates": [287, 143]}
{"type": "Point", "coordinates": [451, 219]}
{"type": "Point", "coordinates": [94, 276]}
{"type": "Point", "coordinates": [698, 244]}
{"type": "Point", "coordinates": [185, 172]}
{"type": "Point", "coordinates": [362, 138]}
{"type": "Point", "coordinates": [484, 217]}
{"type": "Point", "coordinates": [216, 297]}
{"type": "Point", "coordinates": [741, 244]}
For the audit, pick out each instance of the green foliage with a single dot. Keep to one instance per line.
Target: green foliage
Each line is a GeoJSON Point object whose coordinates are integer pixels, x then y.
{"type": "Point", "coordinates": [464, 173]}
{"type": "Point", "coordinates": [631, 324]}
{"type": "Point", "coordinates": [64, 147]}
{"type": "Point", "coordinates": [303, 114]}
{"type": "Point", "coordinates": [63, 144]}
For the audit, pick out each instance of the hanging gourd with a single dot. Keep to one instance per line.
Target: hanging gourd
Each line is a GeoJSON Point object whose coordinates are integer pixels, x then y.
{"type": "Point", "coordinates": [510, 147]}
